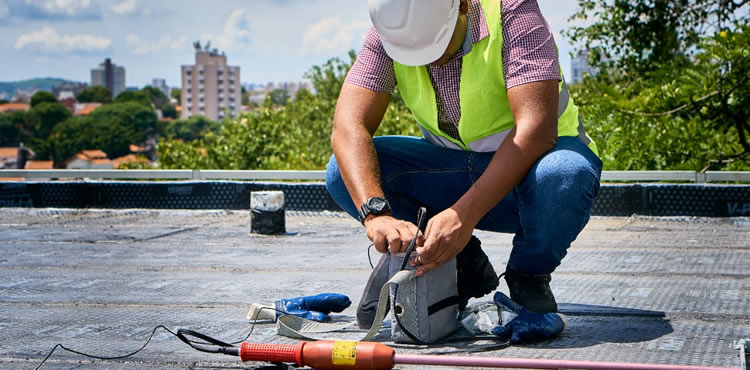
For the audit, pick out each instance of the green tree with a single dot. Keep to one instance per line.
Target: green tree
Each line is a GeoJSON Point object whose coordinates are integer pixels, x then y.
{"type": "Point", "coordinates": [156, 96]}
{"type": "Point", "coordinates": [681, 116]}
{"type": "Point", "coordinates": [168, 111]}
{"type": "Point", "coordinates": [10, 132]}
{"type": "Point", "coordinates": [3, 101]}
{"type": "Point", "coordinates": [641, 35]}
{"type": "Point", "coordinates": [140, 97]}
{"type": "Point", "coordinates": [50, 114]}
{"type": "Point", "coordinates": [328, 78]}
{"type": "Point", "coordinates": [95, 94]}
{"type": "Point", "coordinates": [279, 97]}
{"type": "Point", "coordinates": [191, 129]}
{"type": "Point", "coordinates": [42, 97]}
{"type": "Point", "coordinates": [177, 95]}
{"type": "Point", "coordinates": [673, 89]}
{"type": "Point", "coordinates": [136, 117]}
{"type": "Point", "coordinates": [110, 128]}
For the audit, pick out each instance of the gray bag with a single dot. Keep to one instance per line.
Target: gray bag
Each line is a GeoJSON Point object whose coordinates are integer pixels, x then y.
{"type": "Point", "coordinates": [424, 309]}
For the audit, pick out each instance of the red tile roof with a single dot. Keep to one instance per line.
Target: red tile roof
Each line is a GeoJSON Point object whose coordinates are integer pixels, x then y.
{"type": "Point", "coordinates": [13, 107]}
{"type": "Point", "coordinates": [8, 152]}
{"type": "Point", "coordinates": [87, 109]}
{"type": "Point", "coordinates": [136, 149]}
{"type": "Point", "coordinates": [39, 165]}
{"type": "Point", "coordinates": [94, 154]}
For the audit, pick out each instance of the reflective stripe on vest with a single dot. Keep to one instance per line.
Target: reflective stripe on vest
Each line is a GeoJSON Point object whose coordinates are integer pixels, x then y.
{"type": "Point", "coordinates": [486, 118]}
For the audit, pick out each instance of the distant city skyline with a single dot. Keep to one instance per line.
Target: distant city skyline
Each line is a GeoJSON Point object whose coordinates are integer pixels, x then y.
{"type": "Point", "coordinates": [271, 40]}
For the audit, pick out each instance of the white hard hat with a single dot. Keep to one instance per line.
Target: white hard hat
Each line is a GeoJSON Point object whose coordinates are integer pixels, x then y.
{"type": "Point", "coordinates": [415, 32]}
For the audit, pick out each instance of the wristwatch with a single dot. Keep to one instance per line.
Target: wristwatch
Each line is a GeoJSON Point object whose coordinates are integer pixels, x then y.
{"type": "Point", "coordinates": [373, 206]}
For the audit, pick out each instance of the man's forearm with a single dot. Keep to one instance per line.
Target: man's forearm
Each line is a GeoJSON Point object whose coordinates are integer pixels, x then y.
{"type": "Point", "coordinates": [358, 115]}
{"type": "Point", "coordinates": [358, 163]}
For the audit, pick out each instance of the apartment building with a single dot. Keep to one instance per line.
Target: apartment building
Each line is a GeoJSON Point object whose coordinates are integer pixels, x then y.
{"type": "Point", "coordinates": [210, 87]}
{"type": "Point", "coordinates": [109, 75]}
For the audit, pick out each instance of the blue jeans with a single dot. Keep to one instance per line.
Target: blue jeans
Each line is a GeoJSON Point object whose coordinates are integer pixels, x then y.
{"type": "Point", "coordinates": [546, 211]}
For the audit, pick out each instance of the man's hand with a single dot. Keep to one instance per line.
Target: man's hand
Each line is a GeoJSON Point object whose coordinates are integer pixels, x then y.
{"type": "Point", "coordinates": [446, 236]}
{"type": "Point", "coordinates": [388, 233]}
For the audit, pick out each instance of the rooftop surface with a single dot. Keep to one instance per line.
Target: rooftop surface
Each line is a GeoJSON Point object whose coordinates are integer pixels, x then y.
{"type": "Point", "coordinates": [653, 290]}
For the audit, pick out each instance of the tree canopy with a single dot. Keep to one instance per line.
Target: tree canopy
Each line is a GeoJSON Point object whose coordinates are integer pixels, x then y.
{"type": "Point", "coordinates": [156, 96]}
{"type": "Point", "coordinates": [42, 97]}
{"type": "Point", "coordinates": [95, 94]}
{"type": "Point", "coordinates": [642, 35]}
{"type": "Point", "coordinates": [674, 87]}
{"type": "Point", "coordinates": [141, 97]}
{"type": "Point", "coordinates": [110, 128]}
{"type": "Point", "coordinates": [191, 129]}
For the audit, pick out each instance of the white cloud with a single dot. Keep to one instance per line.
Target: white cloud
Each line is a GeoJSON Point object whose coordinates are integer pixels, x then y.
{"type": "Point", "coordinates": [131, 7]}
{"type": "Point", "coordinates": [48, 42]}
{"type": "Point", "coordinates": [236, 33]}
{"type": "Point", "coordinates": [333, 35]}
{"type": "Point", "coordinates": [61, 9]}
{"type": "Point", "coordinates": [142, 47]}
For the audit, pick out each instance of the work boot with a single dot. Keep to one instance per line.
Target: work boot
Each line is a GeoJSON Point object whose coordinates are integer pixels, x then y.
{"type": "Point", "coordinates": [475, 275]}
{"type": "Point", "coordinates": [531, 291]}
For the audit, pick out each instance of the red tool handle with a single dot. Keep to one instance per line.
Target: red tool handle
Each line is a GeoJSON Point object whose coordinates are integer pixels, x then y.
{"type": "Point", "coordinates": [272, 352]}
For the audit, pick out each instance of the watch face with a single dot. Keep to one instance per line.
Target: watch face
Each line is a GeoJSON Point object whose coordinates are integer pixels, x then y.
{"type": "Point", "coordinates": [376, 204]}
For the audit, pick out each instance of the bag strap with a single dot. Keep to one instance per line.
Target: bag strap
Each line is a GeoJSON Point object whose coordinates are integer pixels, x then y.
{"type": "Point", "coordinates": [299, 328]}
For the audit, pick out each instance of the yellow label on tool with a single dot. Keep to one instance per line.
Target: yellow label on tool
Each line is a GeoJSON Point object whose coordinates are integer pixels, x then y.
{"type": "Point", "coordinates": [344, 352]}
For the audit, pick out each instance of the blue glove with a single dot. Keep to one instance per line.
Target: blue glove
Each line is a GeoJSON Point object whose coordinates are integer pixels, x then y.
{"type": "Point", "coordinates": [316, 307]}
{"type": "Point", "coordinates": [528, 326]}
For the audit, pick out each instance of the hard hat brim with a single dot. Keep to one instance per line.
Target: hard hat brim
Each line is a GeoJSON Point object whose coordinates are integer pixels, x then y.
{"type": "Point", "coordinates": [426, 55]}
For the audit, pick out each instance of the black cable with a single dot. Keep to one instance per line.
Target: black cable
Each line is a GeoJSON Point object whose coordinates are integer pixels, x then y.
{"type": "Point", "coordinates": [182, 335]}
{"type": "Point", "coordinates": [369, 258]}
{"type": "Point", "coordinates": [59, 345]}
{"type": "Point", "coordinates": [420, 221]}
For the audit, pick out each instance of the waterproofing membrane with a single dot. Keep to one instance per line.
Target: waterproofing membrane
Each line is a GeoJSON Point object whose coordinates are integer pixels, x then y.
{"type": "Point", "coordinates": [637, 289]}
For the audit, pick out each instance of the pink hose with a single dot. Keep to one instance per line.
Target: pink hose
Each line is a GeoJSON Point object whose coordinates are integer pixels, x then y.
{"type": "Point", "coordinates": [527, 363]}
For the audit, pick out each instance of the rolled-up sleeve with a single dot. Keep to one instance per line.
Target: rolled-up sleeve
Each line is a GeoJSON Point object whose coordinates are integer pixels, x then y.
{"type": "Point", "coordinates": [373, 68]}
{"type": "Point", "coordinates": [529, 50]}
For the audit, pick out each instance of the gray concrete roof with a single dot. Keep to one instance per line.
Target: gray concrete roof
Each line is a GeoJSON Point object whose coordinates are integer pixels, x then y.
{"type": "Point", "coordinates": [654, 290]}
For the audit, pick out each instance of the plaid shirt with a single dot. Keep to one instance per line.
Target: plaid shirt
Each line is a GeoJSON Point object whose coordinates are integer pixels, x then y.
{"type": "Point", "coordinates": [529, 55]}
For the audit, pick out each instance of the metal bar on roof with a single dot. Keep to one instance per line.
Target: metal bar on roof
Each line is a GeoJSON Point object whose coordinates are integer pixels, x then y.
{"type": "Point", "coordinates": [626, 176]}
{"type": "Point", "coordinates": [649, 176]}
{"type": "Point", "coordinates": [263, 175]}
{"type": "Point", "coordinates": [715, 176]}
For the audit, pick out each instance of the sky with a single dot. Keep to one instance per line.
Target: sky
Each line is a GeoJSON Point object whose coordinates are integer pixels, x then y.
{"type": "Point", "coordinates": [271, 40]}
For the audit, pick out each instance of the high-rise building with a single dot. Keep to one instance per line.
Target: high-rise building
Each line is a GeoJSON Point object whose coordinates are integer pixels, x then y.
{"type": "Point", "coordinates": [580, 66]}
{"type": "Point", "coordinates": [161, 84]}
{"type": "Point", "coordinates": [110, 76]}
{"type": "Point", "coordinates": [210, 88]}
